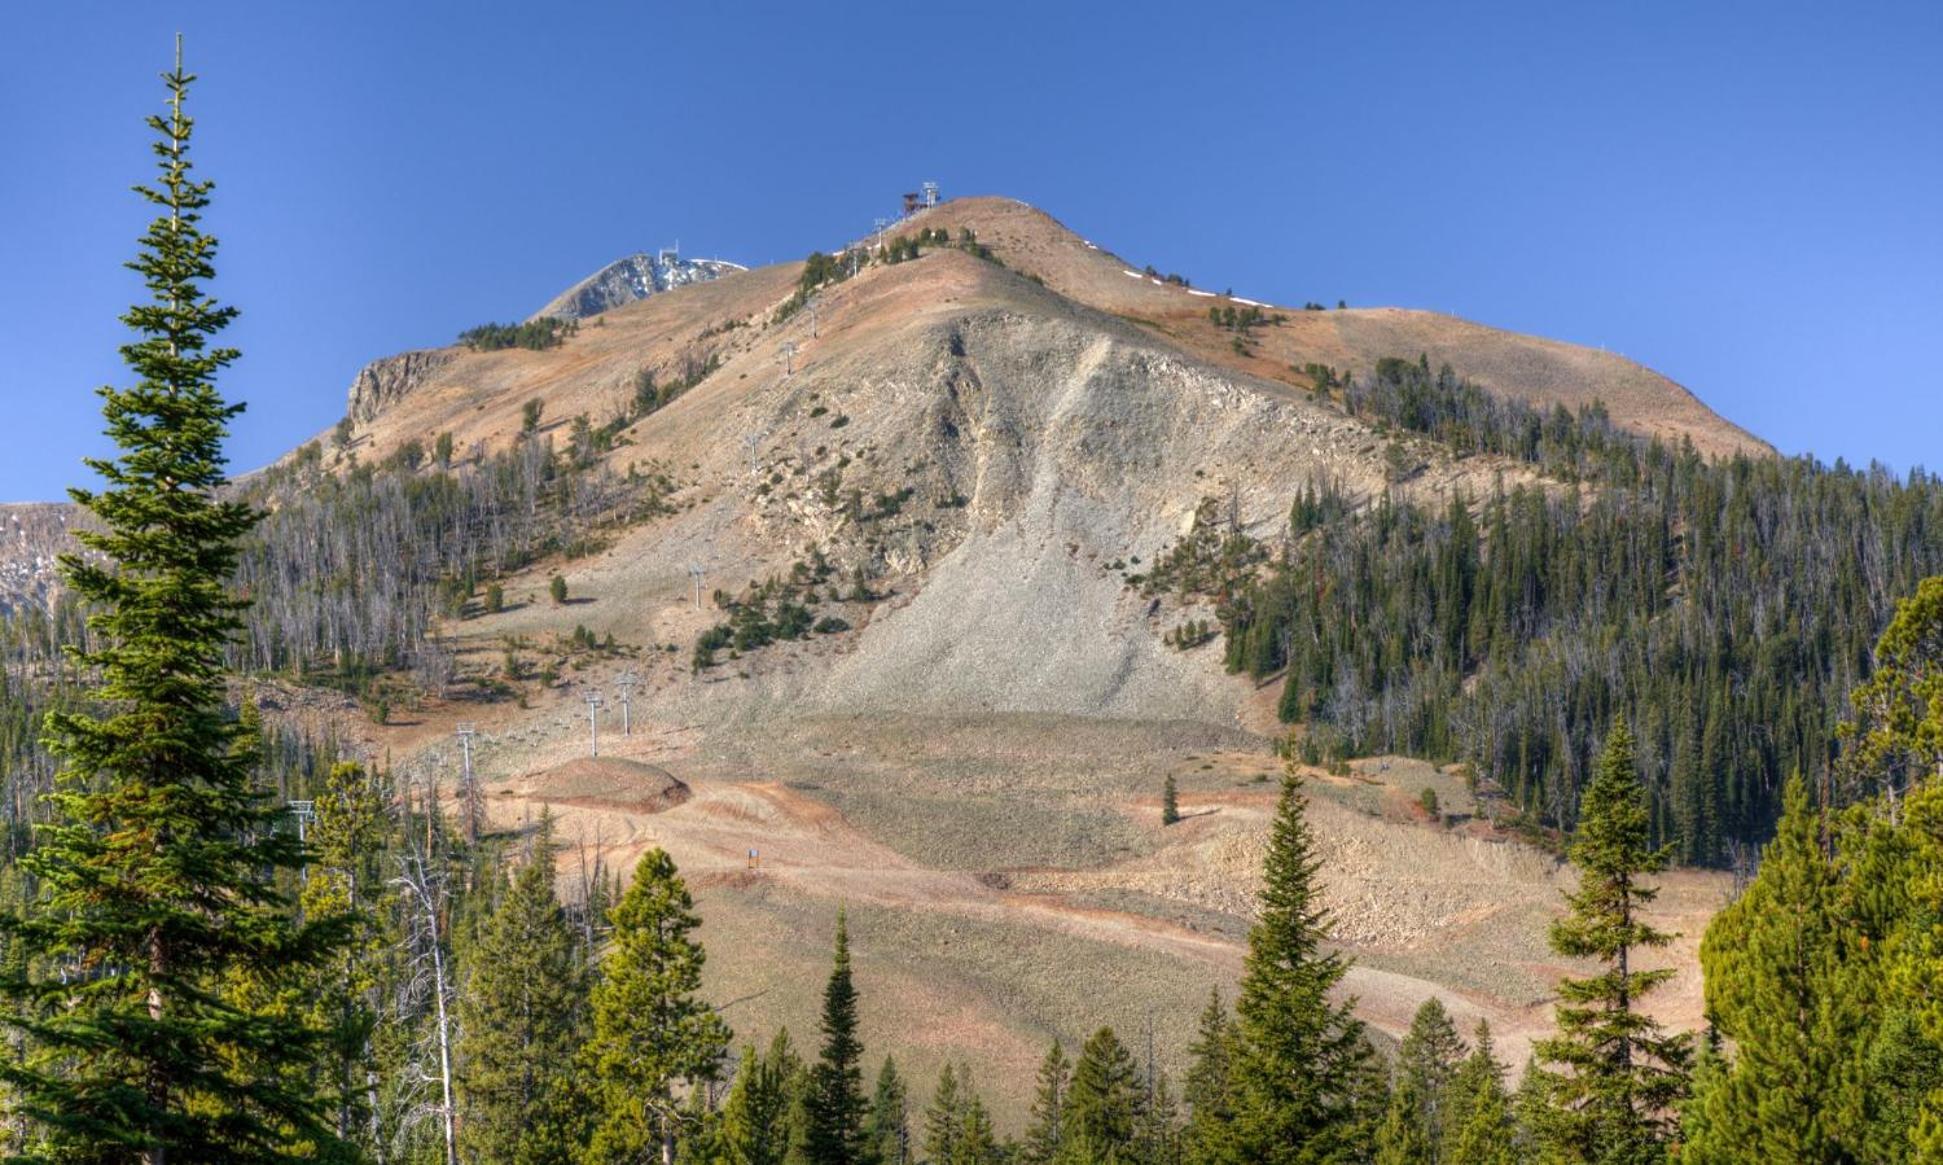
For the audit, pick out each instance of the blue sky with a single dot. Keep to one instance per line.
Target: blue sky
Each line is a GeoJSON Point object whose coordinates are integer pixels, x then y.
{"type": "Point", "coordinates": [1744, 196]}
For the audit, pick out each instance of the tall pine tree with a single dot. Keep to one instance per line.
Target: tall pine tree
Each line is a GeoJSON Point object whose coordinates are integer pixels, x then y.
{"type": "Point", "coordinates": [1774, 972]}
{"type": "Point", "coordinates": [1046, 1131]}
{"type": "Point", "coordinates": [1478, 1128]}
{"type": "Point", "coordinates": [652, 1033]}
{"type": "Point", "coordinates": [157, 871]}
{"type": "Point", "coordinates": [1413, 1127]}
{"type": "Point", "coordinates": [1301, 1059]}
{"type": "Point", "coordinates": [1209, 1088]}
{"type": "Point", "coordinates": [524, 1017]}
{"type": "Point", "coordinates": [1104, 1102]}
{"type": "Point", "coordinates": [1621, 1076]}
{"type": "Point", "coordinates": [888, 1129]}
{"type": "Point", "coordinates": [836, 1108]}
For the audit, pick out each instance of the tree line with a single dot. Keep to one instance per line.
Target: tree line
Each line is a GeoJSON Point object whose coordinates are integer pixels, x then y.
{"type": "Point", "coordinates": [1725, 608]}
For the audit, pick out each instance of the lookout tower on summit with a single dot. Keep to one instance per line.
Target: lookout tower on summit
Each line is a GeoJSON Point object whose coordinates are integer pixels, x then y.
{"type": "Point", "coordinates": [922, 199]}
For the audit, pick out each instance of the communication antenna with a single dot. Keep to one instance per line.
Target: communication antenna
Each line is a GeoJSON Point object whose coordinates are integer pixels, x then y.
{"type": "Point", "coordinates": [789, 358]}
{"type": "Point", "coordinates": [593, 722]}
{"type": "Point", "coordinates": [695, 572]}
{"type": "Point", "coordinates": [625, 682]}
{"type": "Point", "coordinates": [930, 194]}
{"type": "Point", "coordinates": [469, 799]}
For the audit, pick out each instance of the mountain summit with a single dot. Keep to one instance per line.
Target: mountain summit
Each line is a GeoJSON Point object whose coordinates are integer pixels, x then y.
{"type": "Point", "coordinates": [633, 278]}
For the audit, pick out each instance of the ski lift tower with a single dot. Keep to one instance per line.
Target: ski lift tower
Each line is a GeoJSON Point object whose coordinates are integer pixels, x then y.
{"type": "Point", "coordinates": [593, 722]}
{"type": "Point", "coordinates": [695, 571]}
{"type": "Point", "coordinates": [625, 682]}
{"type": "Point", "coordinates": [930, 195]}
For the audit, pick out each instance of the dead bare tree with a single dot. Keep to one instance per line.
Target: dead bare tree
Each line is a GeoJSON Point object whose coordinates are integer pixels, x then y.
{"type": "Point", "coordinates": [422, 888]}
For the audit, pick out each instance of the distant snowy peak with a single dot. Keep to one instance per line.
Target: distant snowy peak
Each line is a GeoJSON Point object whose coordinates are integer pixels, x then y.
{"type": "Point", "coordinates": [636, 277]}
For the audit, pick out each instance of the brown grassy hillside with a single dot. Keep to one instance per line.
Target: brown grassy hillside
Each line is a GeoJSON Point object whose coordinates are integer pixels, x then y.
{"type": "Point", "coordinates": [973, 766]}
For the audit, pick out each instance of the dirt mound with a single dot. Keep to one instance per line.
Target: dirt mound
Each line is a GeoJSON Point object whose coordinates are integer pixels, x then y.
{"type": "Point", "coordinates": [604, 783]}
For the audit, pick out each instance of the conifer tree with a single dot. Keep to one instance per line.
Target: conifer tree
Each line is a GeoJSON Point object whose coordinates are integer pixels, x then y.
{"type": "Point", "coordinates": [1300, 1058]}
{"type": "Point", "coordinates": [756, 1127]}
{"type": "Point", "coordinates": [1045, 1131]}
{"type": "Point", "coordinates": [944, 1119]}
{"type": "Point", "coordinates": [524, 1017]}
{"type": "Point", "coordinates": [977, 1142]}
{"type": "Point", "coordinates": [1773, 969]}
{"type": "Point", "coordinates": [1209, 1087]}
{"type": "Point", "coordinates": [1104, 1102]}
{"type": "Point", "coordinates": [345, 882]}
{"type": "Point", "coordinates": [1477, 1127]}
{"type": "Point", "coordinates": [157, 870]}
{"type": "Point", "coordinates": [1413, 1126]}
{"type": "Point", "coordinates": [652, 1034]}
{"type": "Point", "coordinates": [836, 1106]}
{"type": "Point", "coordinates": [1170, 801]}
{"type": "Point", "coordinates": [887, 1132]}
{"type": "Point", "coordinates": [1158, 1136]}
{"type": "Point", "coordinates": [1622, 1076]}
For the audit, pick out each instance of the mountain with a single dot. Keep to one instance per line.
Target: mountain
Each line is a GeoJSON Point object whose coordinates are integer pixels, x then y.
{"type": "Point", "coordinates": [958, 464]}
{"type": "Point", "coordinates": [633, 278]}
{"type": "Point", "coordinates": [32, 534]}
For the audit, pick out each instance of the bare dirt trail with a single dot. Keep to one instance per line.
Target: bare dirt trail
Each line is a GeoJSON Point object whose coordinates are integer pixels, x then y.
{"type": "Point", "coordinates": [806, 849]}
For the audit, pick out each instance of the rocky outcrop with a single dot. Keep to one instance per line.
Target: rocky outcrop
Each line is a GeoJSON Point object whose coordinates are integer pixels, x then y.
{"type": "Point", "coordinates": [636, 277]}
{"type": "Point", "coordinates": [382, 383]}
{"type": "Point", "coordinates": [32, 537]}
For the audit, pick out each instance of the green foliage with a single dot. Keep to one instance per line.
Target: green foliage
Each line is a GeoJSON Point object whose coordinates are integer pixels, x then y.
{"type": "Point", "coordinates": [1722, 607]}
{"type": "Point", "coordinates": [1781, 984]}
{"type": "Point", "coordinates": [1823, 977]}
{"type": "Point", "coordinates": [535, 335]}
{"type": "Point", "coordinates": [146, 976]}
{"type": "Point", "coordinates": [1415, 1126]}
{"type": "Point", "coordinates": [525, 1018]}
{"type": "Point", "coordinates": [887, 1131]}
{"type": "Point", "coordinates": [1210, 1084]}
{"type": "Point", "coordinates": [1045, 1133]}
{"type": "Point", "coordinates": [757, 1125]}
{"type": "Point", "coordinates": [529, 414]}
{"type": "Point", "coordinates": [777, 610]}
{"type": "Point", "coordinates": [1300, 1056]}
{"type": "Point", "coordinates": [1620, 1077]}
{"type": "Point", "coordinates": [652, 1033]}
{"type": "Point", "coordinates": [1478, 1127]}
{"type": "Point", "coordinates": [1170, 801]}
{"type": "Point", "coordinates": [836, 1109]}
{"type": "Point", "coordinates": [1104, 1102]}
{"type": "Point", "coordinates": [957, 1128]}
{"type": "Point", "coordinates": [557, 588]}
